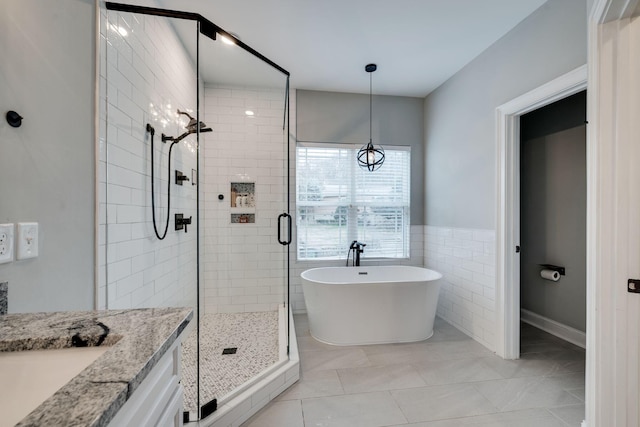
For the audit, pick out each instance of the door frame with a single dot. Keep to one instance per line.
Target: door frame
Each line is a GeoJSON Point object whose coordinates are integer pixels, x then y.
{"type": "Point", "coordinates": [508, 202]}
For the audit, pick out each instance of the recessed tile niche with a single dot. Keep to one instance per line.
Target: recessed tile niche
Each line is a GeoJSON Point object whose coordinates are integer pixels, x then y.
{"type": "Point", "coordinates": [243, 202]}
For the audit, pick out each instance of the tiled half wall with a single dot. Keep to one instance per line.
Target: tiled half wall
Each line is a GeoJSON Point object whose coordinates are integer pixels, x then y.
{"type": "Point", "coordinates": [416, 252]}
{"type": "Point", "coordinates": [466, 259]}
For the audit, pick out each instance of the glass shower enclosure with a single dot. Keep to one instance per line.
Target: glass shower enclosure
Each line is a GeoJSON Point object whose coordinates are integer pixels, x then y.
{"type": "Point", "coordinates": [194, 192]}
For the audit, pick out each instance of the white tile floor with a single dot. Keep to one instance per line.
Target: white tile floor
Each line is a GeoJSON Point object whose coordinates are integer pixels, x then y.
{"type": "Point", "coordinates": [448, 380]}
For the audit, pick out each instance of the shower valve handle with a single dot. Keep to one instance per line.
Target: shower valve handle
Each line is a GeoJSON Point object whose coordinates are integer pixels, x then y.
{"type": "Point", "coordinates": [182, 222]}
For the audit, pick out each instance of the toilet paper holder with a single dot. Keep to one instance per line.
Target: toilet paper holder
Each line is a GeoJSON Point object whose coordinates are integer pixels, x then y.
{"type": "Point", "coordinates": [553, 267]}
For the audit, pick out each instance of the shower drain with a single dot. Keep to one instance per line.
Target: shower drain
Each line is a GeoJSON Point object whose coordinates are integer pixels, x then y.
{"type": "Point", "coordinates": [230, 350]}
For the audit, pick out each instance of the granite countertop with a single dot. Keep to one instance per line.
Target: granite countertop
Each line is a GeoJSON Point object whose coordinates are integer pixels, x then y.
{"type": "Point", "coordinates": [137, 338]}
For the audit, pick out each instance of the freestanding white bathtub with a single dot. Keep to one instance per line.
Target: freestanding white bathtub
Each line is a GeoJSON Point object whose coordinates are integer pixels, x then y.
{"type": "Point", "coordinates": [371, 305]}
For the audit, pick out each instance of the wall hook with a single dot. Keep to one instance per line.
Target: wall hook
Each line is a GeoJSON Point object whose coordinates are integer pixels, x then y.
{"type": "Point", "coordinates": [14, 119]}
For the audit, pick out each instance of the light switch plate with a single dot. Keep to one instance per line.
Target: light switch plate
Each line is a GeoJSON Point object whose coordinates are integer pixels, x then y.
{"type": "Point", "coordinates": [6, 243]}
{"type": "Point", "coordinates": [27, 240]}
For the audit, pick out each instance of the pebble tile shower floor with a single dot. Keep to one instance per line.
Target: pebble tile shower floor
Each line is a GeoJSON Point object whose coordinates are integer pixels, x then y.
{"type": "Point", "coordinates": [448, 380]}
{"type": "Point", "coordinates": [254, 334]}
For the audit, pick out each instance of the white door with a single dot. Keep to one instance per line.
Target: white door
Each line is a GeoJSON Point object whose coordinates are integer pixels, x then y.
{"type": "Point", "coordinates": [613, 343]}
{"type": "Point", "coordinates": [633, 299]}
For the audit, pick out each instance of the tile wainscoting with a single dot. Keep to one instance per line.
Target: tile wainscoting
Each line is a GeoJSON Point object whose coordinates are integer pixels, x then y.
{"type": "Point", "coordinates": [297, 267]}
{"type": "Point", "coordinates": [466, 259]}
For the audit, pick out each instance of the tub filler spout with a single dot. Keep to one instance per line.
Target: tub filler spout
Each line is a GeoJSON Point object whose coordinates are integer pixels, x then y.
{"type": "Point", "coordinates": [357, 248]}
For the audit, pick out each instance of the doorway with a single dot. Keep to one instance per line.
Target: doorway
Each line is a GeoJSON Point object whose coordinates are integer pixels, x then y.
{"type": "Point", "coordinates": [508, 117]}
{"type": "Point", "coordinates": [553, 218]}
{"type": "Point", "coordinates": [508, 202]}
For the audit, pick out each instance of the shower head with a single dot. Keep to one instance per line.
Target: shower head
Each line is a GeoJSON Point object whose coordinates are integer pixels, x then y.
{"type": "Point", "coordinates": [192, 126]}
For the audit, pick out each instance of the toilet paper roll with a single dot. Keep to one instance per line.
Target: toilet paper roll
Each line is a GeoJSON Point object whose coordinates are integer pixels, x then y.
{"type": "Point", "coordinates": [552, 275]}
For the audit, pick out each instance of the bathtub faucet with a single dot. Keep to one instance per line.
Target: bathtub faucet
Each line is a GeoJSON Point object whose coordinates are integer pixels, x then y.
{"type": "Point", "coordinates": [357, 248]}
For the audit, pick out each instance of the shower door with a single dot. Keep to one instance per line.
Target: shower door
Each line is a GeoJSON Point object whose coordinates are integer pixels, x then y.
{"type": "Point", "coordinates": [244, 222]}
{"type": "Point", "coordinates": [148, 95]}
{"type": "Point", "coordinates": [194, 190]}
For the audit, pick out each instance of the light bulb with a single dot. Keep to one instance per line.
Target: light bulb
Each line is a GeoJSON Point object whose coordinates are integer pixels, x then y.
{"type": "Point", "coordinates": [371, 157]}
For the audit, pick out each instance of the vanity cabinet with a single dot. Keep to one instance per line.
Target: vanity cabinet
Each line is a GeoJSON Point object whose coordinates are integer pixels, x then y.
{"type": "Point", "coordinates": [158, 400]}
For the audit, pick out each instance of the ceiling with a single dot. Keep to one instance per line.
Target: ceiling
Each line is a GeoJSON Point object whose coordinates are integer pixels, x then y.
{"type": "Point", "coordinates": [325, 44]}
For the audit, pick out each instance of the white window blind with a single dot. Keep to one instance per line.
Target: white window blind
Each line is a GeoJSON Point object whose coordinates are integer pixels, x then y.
{"type": "Point", "coordinates": [338, 202]}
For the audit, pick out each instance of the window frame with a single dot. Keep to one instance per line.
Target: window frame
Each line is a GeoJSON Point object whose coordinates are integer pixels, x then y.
{"type": "Point", "coordinates": [354, 207]}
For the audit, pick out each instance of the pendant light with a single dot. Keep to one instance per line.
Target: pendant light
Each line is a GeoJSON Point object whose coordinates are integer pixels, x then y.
{"type": "Point", "coordinates": [370, 157]}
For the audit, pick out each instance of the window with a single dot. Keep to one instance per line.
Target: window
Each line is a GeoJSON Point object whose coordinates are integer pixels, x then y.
{"type": "Point", "coordinates": [338, 202]}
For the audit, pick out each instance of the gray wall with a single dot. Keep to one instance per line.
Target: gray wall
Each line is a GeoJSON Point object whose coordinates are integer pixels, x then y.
{"type": "Point", "coordinates": [460, 164]}
{"type": "Point", "coordinates": [344, 118]}
{"type": "Point", "coordinates": [47, 165]}
{"type": "Point", "coordinates": [553, 211]}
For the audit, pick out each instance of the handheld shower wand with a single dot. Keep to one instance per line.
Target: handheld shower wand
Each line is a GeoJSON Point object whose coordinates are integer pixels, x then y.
{"type": "Point", "coordinates": [192, 127]}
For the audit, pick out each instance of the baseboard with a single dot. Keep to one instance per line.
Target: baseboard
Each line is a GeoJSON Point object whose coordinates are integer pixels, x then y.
{"type": "Point", "coordinates": [565, 332]}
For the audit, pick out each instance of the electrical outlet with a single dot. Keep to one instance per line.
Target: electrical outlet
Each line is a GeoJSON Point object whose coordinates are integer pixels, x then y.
{"type": "Point", "coordinates": [6, 243]}
{"type": "Point", "coordinates": [27, 246]}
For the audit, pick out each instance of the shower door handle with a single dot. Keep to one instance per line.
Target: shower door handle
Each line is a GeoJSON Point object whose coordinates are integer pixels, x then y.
{"type": "Point", "coordinates": [288, 217]}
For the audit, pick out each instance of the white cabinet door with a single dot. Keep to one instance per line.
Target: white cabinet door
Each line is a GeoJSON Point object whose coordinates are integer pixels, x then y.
{"type": "Point", "coordinates": [158, 400]}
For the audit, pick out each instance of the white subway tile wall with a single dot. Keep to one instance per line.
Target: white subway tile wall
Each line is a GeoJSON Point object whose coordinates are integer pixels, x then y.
{"type": "Point", "coordinates": [297, 267]}
{"type": "Point", "coordinates": [145, 76]}
{"type": "Point", "coordinates": [466, 259]}
{"type": "Point", "coordinates": [243, 264]}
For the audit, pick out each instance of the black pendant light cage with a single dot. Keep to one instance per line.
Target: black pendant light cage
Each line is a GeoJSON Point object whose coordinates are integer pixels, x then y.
{"type": "Point", "coordinates": [370, 157]}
